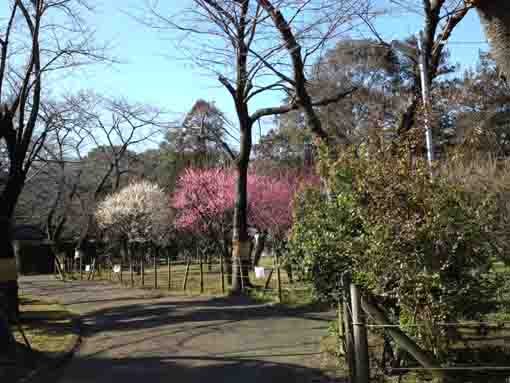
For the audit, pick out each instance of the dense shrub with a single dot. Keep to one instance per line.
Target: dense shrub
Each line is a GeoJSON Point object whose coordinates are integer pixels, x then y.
{"type": "Point", "coordinates": [323, 240]}
{"type": "Point", "coordinates": [424, 243]}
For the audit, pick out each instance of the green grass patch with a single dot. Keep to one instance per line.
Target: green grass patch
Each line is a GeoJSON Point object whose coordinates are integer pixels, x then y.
{"type": "Point", "coordinates": [50, 331]}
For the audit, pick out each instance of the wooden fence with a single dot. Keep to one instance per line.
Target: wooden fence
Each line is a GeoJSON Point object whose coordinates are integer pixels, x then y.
{"type": "Point", "coordinates": [201, 275]}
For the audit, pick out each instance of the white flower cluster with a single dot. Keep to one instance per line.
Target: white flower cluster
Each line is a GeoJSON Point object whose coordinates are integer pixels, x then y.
{"type": "Point", "coordinates": [140, 212]}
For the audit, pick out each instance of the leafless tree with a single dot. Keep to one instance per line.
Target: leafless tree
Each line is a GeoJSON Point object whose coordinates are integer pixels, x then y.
{"type": "Point", "coordinates": [440, 18]}
{"type": "Point", "coordinates": [237, 42]}
{"type": "Point", "coordinates": [105, 133]}
{"type": "Point", "coordinates": [33, 45]}
{"type": "Point", "coordinates": [87, 154]}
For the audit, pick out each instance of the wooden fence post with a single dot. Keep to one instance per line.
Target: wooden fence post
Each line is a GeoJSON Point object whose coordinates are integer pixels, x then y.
{"type": "Point", "coordinates": [347, 326]}
{"type": "Point", "coordinates": [121, 271]}
{"type": "Point", "coordinates": [222, 272]}
{"type": "Point", "coordinates": [201, 260]}
{"type": "Point", "coordinates": [92, 272]}
{"type": "Point", "coordinates": [131, 267]}
{"type": "Point", "coordinates": [184, 284]}
{"type": "Point", "coordinates": [155, 253]}
{"type": "Point", "coordinates": [58, 267]}
{"type": "Point", "coordinates": [425, 359]}
{"type": "Point", "coordinates": [360, 337]}
{"type": "Point", "coordinates": [268, 280]}
{"type": "Point", "coordinates": [278, 275]}
{"type": "Point", "coordinates": [80, 263]}
{"type": "Point", "coordinates": [169, 270]}
{"type": "Point", "coordinates": [142, 269]}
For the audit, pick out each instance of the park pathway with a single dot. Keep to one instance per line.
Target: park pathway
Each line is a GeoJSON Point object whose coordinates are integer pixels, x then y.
{"type": "Point", "coordinates": [136, 336]}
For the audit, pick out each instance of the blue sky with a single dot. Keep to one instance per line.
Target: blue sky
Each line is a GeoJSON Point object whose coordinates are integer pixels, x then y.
{"type": "Point", "coordinates": [148, 75]}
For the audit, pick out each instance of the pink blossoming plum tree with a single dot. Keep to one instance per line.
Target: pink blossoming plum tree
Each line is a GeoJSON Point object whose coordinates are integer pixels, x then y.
{"type": "Point", "coordinates": [205, 200]}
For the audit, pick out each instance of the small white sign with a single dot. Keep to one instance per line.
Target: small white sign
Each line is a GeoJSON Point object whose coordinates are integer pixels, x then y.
{"type": "Point", "coordinates": [87, 268]}
{"type": "Point", "coordinates": [116, 268]}
{"type": "Point", "coordinates": [260, 272]}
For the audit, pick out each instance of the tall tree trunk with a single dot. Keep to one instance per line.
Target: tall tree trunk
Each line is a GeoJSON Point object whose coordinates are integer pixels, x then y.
{"type": "Point", "coordinates": [495, 19]}
{"type": "Point", "coordinates": [408, 117]}
{"type": "Point", "coordinates": [8, 272]}
{"type": "Point", "coordinates": [259, 247]}
{"type": "Point", "coordinates": [240, 239]}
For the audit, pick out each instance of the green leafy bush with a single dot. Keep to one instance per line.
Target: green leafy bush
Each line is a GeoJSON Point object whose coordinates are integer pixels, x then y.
{"type": "Point", "coordinates": [425, 244]}
{"type": "Point", "coordinates": [323, 241]}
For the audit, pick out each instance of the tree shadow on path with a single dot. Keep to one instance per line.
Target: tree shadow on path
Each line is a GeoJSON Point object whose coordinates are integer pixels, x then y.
{"type": "Point", "coordinates": [162, 312]}
{"type": "Point", "coordinates": [186, 369]}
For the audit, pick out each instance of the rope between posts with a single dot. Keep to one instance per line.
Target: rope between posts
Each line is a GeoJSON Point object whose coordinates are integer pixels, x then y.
{"type": "Point", "coordinates": [445, 324]}
{"type": "Point", "coordinates": [455, 368]}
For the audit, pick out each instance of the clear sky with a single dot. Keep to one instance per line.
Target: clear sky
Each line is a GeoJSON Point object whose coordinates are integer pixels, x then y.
{"type": "Point", "coordinates": [148, 75]}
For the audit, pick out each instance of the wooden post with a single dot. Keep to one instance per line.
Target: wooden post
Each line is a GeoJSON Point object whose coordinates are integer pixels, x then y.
{"type": "Point", "coordinates": [92, 272]}
{"type": "Point", "coordinates": [142, 270]}
{"type": "Point", "coordinates": [58, 267]}
{"type": "Point", "coordinates": [184, 284]}
{"type": "Point", "coordinates": [155, 253]}
{"type": "Point", "coordinates": [222, 272]}
{"type": "Point", "coordinates": [425, 359]}
{"type": "Point", "coordinates": [121, 271]}
{"type": "Point", "coordinates": [360, 337]}
{"type": "Point", "coordinates": [347, 326]}
{"type": "Point", "coordinates": [278, 275]}
{"type": "Point", "coordinates": [169, 270]}
{"type": "Point", "coordinates": [341, 329]}
{"type": "Point", "coordinates": [268, 280]}
{"type": "Point", "coordinates": [240, 263]}
{"type": "Point", "coordinates": [201, 260]}
{"type": "Point", "coordinates": [131, 267]}
{"type": "Point", "coordinates": [80, 263]}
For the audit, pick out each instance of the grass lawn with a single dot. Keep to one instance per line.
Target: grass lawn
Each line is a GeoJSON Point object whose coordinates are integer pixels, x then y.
{"type": "Point", "coordinates": [50, 332]}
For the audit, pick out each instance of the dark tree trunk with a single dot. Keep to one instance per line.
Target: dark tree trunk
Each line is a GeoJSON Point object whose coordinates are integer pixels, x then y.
{"type": "Point", "coordinates": [288, 270]}
{"type": "Point", "coordinates": [8, 272]}
{"type": "Point", "coordinates": [9, 303]}
{"type": "Point", "coordinates": [240, 238]}
{"type": "Point", "coordinates": [124, 250]}
{"type": "Point", "coordinates": [227, 259]}
{"type": "Point", "coordinates": [495, 19]}
{"type": "Point", "coordinates": [259, 248]}
{"type": "Point", "coordinates": [408, 117]}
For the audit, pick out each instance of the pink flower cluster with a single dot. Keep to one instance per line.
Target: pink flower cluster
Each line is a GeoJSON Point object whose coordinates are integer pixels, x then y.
{"type": "Point", "coordinates": [207, 196]}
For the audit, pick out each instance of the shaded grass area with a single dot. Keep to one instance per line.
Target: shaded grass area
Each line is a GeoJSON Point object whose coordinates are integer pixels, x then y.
{"type": "Point", "coordinates": [50, 332]}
